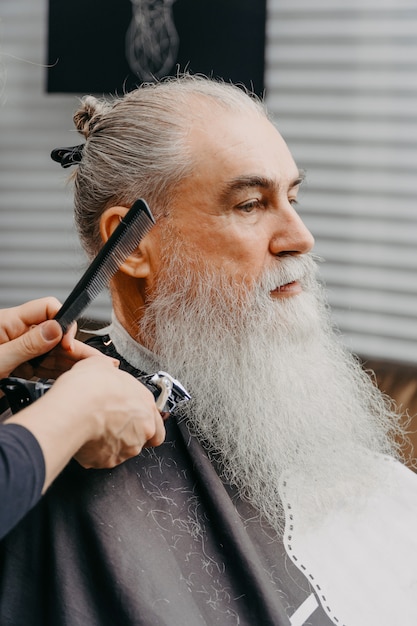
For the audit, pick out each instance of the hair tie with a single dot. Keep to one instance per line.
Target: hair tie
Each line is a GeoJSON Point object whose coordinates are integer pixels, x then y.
{"type": "Point", "coordinates": [68, 156]}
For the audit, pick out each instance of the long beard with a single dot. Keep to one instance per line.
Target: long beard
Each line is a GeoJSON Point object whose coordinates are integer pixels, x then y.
{"type": "Point", "coordinates": [273, 389]}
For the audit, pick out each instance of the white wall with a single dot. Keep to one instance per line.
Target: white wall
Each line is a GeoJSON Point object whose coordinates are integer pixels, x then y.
{"type": "Point", "coordinates": [342, 81]}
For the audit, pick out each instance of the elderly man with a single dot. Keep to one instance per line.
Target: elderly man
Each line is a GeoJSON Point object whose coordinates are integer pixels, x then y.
{"type": "Point", "coordinates": [277, 497]}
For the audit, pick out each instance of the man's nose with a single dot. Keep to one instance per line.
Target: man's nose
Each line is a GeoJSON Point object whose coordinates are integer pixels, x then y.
{"type": "Point", "coordinates": [290, 236]}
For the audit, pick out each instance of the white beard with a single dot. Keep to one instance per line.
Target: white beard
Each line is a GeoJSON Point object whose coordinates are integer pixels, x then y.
{"type": "Point", "coordinates": [273, 389]}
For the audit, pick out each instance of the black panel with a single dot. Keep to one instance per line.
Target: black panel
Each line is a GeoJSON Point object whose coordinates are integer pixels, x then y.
{"type": "Point", "coordinates": [87, 42]}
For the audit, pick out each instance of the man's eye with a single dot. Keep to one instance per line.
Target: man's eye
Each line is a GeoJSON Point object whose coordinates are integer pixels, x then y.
{"type": "Point", "coordinates": [293, 201]}
{"type": "Point", "coordinates": [250, 206]}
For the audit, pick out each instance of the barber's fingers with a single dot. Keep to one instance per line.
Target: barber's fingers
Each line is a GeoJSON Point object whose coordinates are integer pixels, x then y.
{"type": "Point", "coordinates": [106, 455]}
{"type": "Point", "coordinates": [159, 435]}
{"type": "Point", "coordinates": [68, 340]}
{"type": "Point", "coordinates": [60, 360]}
{"type": "Point", "coordinates": [130, 422]}
{"type": "Point", "coordinates": [111, 451]}
{"type": "Point", "coordinates": [19, 319]}
{"type": "Point", "coordinates": [36, 341]}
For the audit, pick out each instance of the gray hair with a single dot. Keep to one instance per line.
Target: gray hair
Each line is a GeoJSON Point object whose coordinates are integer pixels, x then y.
{"type": "Point", "coordinates": [136, 145]}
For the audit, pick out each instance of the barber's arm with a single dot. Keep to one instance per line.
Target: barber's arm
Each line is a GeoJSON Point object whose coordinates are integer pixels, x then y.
{"type": "Point", "coordinates": [95, 412]}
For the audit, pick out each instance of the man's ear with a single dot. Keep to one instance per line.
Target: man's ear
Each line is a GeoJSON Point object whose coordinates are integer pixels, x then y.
{"type": "Point", "coordinates": [137, 264]}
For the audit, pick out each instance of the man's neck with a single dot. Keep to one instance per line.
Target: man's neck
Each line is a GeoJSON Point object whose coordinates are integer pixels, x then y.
{"type": "Point", "coordinates": [135, 353]}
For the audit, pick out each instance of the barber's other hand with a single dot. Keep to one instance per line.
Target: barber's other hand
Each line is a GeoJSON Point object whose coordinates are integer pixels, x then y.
{"type": "Point", "coordinates": [121, 412]}
{"type": "Point", "coordinates": [25, 333]}
{"type": "Point", "coordinates": [28, 331]}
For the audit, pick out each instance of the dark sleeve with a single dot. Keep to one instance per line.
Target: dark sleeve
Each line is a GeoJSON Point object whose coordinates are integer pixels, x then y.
{"type": "Point", "coordinates": [22, 474]}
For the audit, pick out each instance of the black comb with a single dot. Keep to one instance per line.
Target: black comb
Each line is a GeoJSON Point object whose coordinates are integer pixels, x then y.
{"type": "Point", "coordinates": [125, 238]}
{"type": "Point", "coordinates": [123, 241]}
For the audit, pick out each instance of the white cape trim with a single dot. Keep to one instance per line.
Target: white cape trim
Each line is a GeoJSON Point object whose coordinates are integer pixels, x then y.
{"type": "Point", "coordinates": [362, 563]}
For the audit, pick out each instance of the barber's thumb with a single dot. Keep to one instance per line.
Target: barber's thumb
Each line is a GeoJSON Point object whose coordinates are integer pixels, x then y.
{"type": "Point", "coordinates": [39, 339]}
{"type": "Point", "coordinates": [35, 342]}
{"type": "Point", "coordinates": [50, 331]}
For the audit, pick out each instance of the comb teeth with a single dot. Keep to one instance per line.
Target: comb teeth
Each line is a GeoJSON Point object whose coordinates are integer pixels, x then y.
{"type": "Point", "coordinates": [124, 240]}
{"type": "Point", "coordinates": [122, 247]}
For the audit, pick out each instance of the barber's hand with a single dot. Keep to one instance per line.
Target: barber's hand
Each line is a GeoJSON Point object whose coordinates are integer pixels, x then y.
{"type": "Point", "coordinates": [28, 331]}
{"type": "Point", "coordinates": [122, 411]}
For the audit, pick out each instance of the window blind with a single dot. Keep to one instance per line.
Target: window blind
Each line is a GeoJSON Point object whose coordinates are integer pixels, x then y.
{"type": "Point", "coordinates": [39, 250]}
{"type": "Point", "coordinates": [341, 82]}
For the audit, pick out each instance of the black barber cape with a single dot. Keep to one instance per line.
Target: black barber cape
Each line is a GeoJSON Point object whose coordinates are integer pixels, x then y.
{"type": "Point", "coordinates": [157, 541]}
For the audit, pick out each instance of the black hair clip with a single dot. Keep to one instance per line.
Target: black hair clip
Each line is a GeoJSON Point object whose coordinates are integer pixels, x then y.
{"type": "Point", "coordinates": [68, 156]}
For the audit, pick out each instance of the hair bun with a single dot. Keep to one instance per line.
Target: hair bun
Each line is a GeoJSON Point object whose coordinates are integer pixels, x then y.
{"type": "Point", "coordinates": [88, 115]}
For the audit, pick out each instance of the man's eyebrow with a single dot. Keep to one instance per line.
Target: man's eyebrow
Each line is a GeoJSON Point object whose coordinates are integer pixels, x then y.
{"type": "Point", "coordinates": [299, 180]}
{"type": "Point", "coordinates": [244, 182]}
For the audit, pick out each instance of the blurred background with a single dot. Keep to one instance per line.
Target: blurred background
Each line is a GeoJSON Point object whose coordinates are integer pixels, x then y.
{"type": "Point", "coordinates": [340, 79]}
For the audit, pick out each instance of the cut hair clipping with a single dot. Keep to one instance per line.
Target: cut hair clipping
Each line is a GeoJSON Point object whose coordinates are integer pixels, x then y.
{"type": "Point", "coordinates": [68, 156]}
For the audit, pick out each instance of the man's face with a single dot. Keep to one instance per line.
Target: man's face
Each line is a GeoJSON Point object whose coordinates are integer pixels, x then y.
{"type": "Point", "coordinates": [272, 388]}
{"type": "Point", "coordinates": [237, 207]}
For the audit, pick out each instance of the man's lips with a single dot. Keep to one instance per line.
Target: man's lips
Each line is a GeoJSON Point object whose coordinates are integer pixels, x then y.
{"type": "Point", "coordinates": [287, 290]}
